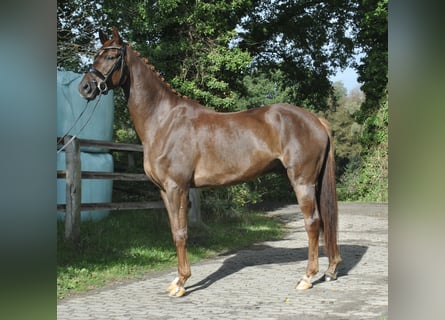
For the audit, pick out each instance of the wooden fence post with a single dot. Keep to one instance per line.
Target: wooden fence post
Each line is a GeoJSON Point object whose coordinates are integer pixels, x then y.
{"type": "Point", "coordinates": [73, 190]}
{"type": "Point", "coordinates": [195, 210]}
{"type": "Point", "coordinates": [73, 175]}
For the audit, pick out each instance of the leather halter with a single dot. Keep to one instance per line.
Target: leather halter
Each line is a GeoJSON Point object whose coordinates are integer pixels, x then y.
{"type": "Point", "coordinates": [102, 86]}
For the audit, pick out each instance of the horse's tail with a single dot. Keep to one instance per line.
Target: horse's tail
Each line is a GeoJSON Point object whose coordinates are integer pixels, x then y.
{"type": "Point", "coordinates": [327, 199]}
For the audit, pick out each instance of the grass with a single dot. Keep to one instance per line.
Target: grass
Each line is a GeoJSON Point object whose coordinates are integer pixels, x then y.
{"type": "Point", "coordinates": [128, 244]}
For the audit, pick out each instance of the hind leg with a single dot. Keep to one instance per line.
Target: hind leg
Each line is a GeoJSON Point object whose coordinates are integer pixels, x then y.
{"type": "Point", "coordinates": [331, 273]}
{"type": "Point", "coordinates": [307, 200]}
{"type": "Point", "coordinates": [334, 261]}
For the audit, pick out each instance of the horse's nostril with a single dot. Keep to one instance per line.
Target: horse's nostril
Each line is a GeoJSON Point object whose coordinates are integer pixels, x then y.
{"type": "Point", "coordinates": [86, 86]}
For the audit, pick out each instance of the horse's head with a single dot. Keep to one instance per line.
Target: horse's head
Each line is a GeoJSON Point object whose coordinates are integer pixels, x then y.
{"type": "Point", "coordinates": [108, 69]}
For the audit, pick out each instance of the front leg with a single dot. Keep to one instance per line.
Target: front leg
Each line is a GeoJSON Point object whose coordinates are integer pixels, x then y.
{"type": "Point", "coordinates": [175, 200]}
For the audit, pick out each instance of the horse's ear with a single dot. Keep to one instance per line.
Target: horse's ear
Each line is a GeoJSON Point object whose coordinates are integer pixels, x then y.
{"type": "Point", "coordinates": [116, 36]}
{"type": "Point", "coordinates": [103, 37]}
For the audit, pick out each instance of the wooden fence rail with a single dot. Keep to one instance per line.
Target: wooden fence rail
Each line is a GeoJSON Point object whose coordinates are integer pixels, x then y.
{"type": "Point", "coordinates": [74, 175]}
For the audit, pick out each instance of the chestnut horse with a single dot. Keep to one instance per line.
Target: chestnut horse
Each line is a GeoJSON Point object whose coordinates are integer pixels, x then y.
{"type": "Point", "coordinates": [188, 145]}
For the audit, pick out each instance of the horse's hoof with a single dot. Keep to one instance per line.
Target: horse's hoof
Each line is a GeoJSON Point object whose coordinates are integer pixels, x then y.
{"type": "Point", "coordinates": [304, 283]}
{"type": "Point", "coordinates": [177, 292]}
{"type": "Point", "coordinates": [174, 290]}
{"type": "Point", "coordinates": [330, 277]}
{"type": "Point", "coordinates": [173, 285]}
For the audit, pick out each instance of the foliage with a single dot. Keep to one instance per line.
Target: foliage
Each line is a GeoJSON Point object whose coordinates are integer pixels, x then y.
{"type": "Point", "coordinates": [229, 202]}
{"type": "Point", "coordinates": [205, 49]}
{"type": "Point", "coordinates": [366, 179]}
{"type": "Point", "coordinates": [77, 24]}
{"type": "Point", "coordinates": [306, 40]}
{"type": "Point", "coordinates": [127, 245]}
{"type": "Point", "coordinates": [263, 88]}
{"type": "Point", "coordinates": [361, 168]}
{"type": "Point", "coordinates": [371, 25]}
{"type": "Point", "coordinates": [274, 187]}
{"type": "Point", "coordinates": [189, 42]}
{"type": "Point", "coordinates": [346, 130]}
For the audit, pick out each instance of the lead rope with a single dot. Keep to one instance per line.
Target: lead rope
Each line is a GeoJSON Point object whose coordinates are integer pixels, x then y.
{"type": "Point", "coordinates": [75, 122]}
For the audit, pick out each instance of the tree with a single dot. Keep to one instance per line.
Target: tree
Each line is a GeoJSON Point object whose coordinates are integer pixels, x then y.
{"type": "Point", "coordinates": [306, 40]}
{"type": "Point", "coordinates": [371, 24]}
{"type": "Point", "coordinates": [261, 89]}
{"type": "Point", "coordinates": [367, 178]}
{"type": "Point", "coordinates": [189, 43]}
{"type": "Point", "coordinates": [77, 24]}
{"type": "Point", "coordinates": [346, 130]}
{"type": "Point", "coordinates": [205, 49]}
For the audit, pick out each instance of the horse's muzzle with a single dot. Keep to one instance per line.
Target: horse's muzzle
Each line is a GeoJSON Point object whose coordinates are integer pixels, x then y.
{"type": "Point", "coordinates": [88, 88]}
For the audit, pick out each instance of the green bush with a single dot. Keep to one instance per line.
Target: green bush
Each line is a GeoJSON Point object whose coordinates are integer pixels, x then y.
{"type": "Point", "coordinates": [229, 202]}
{"type": "Point", "coordinates": [366, 178]}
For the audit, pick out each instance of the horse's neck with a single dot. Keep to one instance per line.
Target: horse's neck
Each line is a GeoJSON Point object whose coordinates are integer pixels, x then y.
{"type": "Point", "coordinates": [149, 98]}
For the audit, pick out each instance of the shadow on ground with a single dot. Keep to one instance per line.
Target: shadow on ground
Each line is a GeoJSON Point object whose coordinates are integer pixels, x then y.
{"type": "Point", "coordinates": [263, 254]}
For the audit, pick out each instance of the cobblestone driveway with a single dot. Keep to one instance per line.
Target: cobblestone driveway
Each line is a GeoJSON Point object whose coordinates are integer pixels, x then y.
{"type": "Point", "coordinates": [258, 282]}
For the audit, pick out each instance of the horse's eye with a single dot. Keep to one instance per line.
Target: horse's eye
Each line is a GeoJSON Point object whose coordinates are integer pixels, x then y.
{"type": "Point", "coordinates": [110, 57]}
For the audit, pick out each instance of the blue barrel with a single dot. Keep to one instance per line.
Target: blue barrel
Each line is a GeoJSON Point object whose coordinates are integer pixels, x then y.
{"type": "Point", "coordinates": [100, 127]}
{"type": "Point", "coordinates": [70, 105]}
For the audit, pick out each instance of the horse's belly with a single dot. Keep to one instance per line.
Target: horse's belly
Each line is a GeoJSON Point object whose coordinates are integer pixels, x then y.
{"type": "Point", "coordinates": [232, 171]}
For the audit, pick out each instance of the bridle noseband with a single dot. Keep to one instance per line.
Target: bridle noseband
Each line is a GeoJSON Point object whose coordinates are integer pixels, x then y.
{"type": "Point", "coordinates": [102, 86]}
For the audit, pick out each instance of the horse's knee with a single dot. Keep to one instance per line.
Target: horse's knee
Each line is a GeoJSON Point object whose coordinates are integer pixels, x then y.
{"type": "Point", "coordinates": [180, 236]}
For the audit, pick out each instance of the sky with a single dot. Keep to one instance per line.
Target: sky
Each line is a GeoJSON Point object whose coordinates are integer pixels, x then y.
{"type": "Point", "coordinates": [348, 77]}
